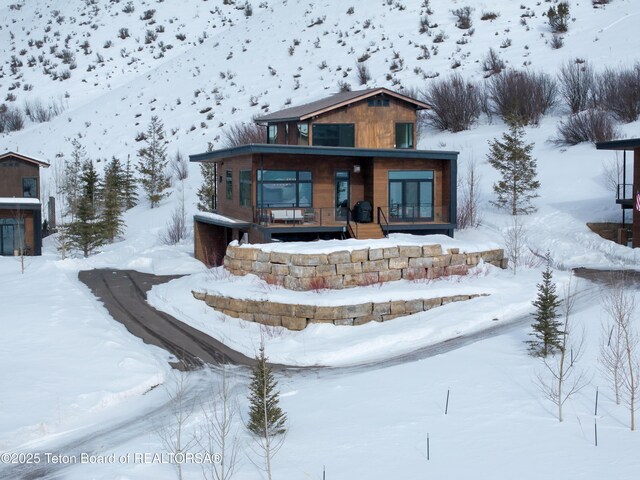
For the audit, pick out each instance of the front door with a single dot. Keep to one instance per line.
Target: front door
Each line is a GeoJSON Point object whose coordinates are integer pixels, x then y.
{"type": "Point", "coordinates": [343, 187]}
{"type": "Point", "coordinates": [7, 236]}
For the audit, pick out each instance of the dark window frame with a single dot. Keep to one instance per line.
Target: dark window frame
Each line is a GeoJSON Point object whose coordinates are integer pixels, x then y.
{"type": "Point", "coordinates": [303, 139]}
{"type": "Point", "coordinates": [378, 102]}
{"type": "Point", "coordinates": [228, 177]}
{"type": "Point", "coordinates": [297, 182]}
{"type": "Point", "coordinates": [272, 133]}
{"type": "Point", "coordinates": [342, 135]}
{"type": "Point", "coordinates": [412, 130]}
{"type": "Point", "coordinates": [35, 184]}
{"type": "Point", "coordinates": [245, 188]}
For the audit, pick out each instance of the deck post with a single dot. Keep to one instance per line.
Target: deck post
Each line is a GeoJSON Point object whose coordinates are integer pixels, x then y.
{"type": "Point", "coordinates": [636, 194]}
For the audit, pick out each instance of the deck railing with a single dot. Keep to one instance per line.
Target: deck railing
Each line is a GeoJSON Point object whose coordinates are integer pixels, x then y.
{"type": "Point", "coordinates": [297, 216]}
{"type": "Point", "coordinates": [625, 191]}
{"type": "Point", "coordinates": [414, 213]}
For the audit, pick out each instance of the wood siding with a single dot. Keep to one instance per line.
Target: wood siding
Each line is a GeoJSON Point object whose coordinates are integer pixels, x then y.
{"type": "Point", "coordinates": [12, 171]}
{"type": "Point", "coordinates": [232, 208]}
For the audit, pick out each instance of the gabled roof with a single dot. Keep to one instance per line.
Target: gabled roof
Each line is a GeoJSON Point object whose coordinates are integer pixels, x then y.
{"type": "Point", "coordinates": [333, 102]}
{"type": "Point", "coordinates": [628, 144]}
{"type": "Point", "coordinates": [40, 163]}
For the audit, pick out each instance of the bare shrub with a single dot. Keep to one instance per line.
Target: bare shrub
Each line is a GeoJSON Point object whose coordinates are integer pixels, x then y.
{"type": "Point", "coordinates": [11, 119]}
{"type": "Point", "coordinates": [618, 91]}
{"type": "Point", "coordinates": [469, 201]}
{"type": "Point", "coordinates": [489, 15]}
{"type": "Point", "coordinates": [179, 166]}
{"type": "Point", "coordinates": [38, 112]}
{"type": "Point", "coordinates": [577, 81]}
{"type": "Point", "coordinates": [557, 41]}
{"type": "Point", "coordinates": [588, 126]}
{"type": "Point", "coordinates": [515, 239]}
{"type": "Point", "coordinates": [176, 226]}
{"type": "Point", "coordinates": [363, 73]}
{"type": "Point", "coordinates": [612, 173]}
{"type": "Point", "coordinates": [492, 63]}
{"type": "Point", "coordinates": [455, 103]}
{"type": "Point", "coordinates": [522, 96]}
{"type": "Point", "coordinates": [464, 17]}
{"type": "Point", "coordinates": [558, 18]}
{"type": "Point", "coordinates": [243, 134]}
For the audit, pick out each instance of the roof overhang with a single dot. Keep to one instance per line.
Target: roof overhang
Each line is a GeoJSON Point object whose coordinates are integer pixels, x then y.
{"type": "Point", "coordinates": [40, 163]}
{"type": "Point", "coordinates": [220, 220]}
{"type": "Point", "coordinates": [263, 148]}
{"type": "Point", "coordinates": [18, 203]}
{"type": "Point", "coordinates": [628, 144]}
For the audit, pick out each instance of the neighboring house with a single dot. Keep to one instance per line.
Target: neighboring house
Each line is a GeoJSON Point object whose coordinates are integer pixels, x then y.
{"type": "Point", "coordinates": [344, 166]}
{"type": "Point", "coordinates": [20, 208]}
{"type": "Point", "coordinates": [628, 194]}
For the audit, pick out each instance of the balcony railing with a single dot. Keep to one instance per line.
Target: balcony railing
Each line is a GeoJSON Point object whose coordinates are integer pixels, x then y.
{"type": "Point", "coordinates": [625, 191]}
{"type": "Point", "coordinates": [415, 213]}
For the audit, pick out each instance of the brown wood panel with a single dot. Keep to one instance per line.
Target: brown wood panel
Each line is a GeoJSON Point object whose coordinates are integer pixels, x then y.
{"type": "Point", "coordinates": [12, 171]}
{"type": "Point", "coordinates": [232, 207]}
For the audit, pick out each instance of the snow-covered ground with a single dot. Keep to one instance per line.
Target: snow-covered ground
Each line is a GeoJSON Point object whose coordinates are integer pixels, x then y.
{"type": "Point", "coordinates": [70, 371]}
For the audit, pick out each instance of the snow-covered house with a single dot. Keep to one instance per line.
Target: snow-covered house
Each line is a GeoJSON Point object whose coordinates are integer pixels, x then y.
{"type": "Point", "coordinates": [20, 208]}
{"type": "Point", "coordinates": [342, 166]}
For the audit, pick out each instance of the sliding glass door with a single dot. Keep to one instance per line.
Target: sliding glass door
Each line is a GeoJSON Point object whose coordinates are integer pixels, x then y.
{"type": "Point", "coordinates": [411, 195]}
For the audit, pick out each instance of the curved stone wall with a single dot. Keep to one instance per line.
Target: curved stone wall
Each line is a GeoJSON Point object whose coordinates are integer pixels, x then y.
{"type": "Point", "coordinates": [346, 269]}
{"type": "Point", "coordinates": [297, 317]}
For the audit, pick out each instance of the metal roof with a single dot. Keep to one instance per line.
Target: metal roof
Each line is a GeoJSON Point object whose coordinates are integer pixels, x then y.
{"type": "Point", "coordinates": [628, 144]}
{"type": "Point", "coordinates": [302, 112]}
{"type": "Point", "coordinates": [25, 158]}
{"type": "Point", "coordinates": [323, 151]}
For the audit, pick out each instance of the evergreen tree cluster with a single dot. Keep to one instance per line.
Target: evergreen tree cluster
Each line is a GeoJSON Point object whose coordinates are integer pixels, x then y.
{"type": "Point", "coordinates": [546, 329]}
{"type": "Point", "coordinates": [559, 17]}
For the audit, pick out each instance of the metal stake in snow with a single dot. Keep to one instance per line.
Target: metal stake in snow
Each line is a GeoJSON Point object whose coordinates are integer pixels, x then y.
{"type": "Point", "coordinates": [446, 408]}
{"type": "Point", "coordinates": [596, 410]}
{"type": "Point", "coordinates": [595, 427]}
{"type": "Point", "coordinates": [324, 473]}
{"type": "Point", "coordinates": [428, 447]}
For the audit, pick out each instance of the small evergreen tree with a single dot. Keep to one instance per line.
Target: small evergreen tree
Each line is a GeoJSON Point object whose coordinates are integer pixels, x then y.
{"type": "Point", "coordinates": [72, 183]}
{"type": "Point", "coordinates": [266, 418]}
{"type": "Point", "coordinates": [152, 163]}
{"type": "Point", "coordinates": [112, 200]}
{"type": "Point", "coordinates": [512, 158]}
{"type": "Point", "coordinates": [559, 18]}
{"type": "Point", "coordinates": [548, 338]}
{"type": "Point", "coordinates": [207, 190]}
{"type": "Point", "coordinates": [86, 231]}
{"type": "Point", "coordinates": [129, 191]}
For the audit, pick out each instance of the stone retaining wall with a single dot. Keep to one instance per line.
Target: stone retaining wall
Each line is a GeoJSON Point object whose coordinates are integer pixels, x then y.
{"type": "Point", "coordinates": [297, 317]}
{"type": "Point", "coordinates": [346, 269]}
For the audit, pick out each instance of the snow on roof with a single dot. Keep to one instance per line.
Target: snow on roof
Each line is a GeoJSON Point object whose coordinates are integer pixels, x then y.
{"type": "Point", "coordinates": [19, 200]}
{"type": "Point", "coordinates": [26, 158]}
{"type": "Point", "coordinates": [208, 217]}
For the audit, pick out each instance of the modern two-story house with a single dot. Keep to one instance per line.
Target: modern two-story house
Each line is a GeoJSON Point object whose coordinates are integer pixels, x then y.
{"type": "Point", "coordinates": [343, 166]}
{"type": "Point", "coordinates": [20, 208]}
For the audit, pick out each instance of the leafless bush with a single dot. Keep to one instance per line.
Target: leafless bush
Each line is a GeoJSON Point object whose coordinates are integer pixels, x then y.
{"type": "Point", "coordinates": [588, 126]}
{"type": "Point", "coordinates": [364, 75]}
{"type": "Point", "coordinates": [243, 134]}
{"type": "Point", "coordinates": [176, 227]}
{"type": "Point", "coordinates": [469, 201]}
{"type": "Point", "coordinates": [557, 41]}
{"type": "Point", "coordinates": [515, 238]}
{"type": "Point", "coordinates": [492, 63]}
{"type": "Point", "coordinates": [464, 17]}
{"type": "Point", "coordinates": [618, 92]}
{"type": "Point", "coordinates": [11, 119]}
{"type": "Point", "coordinates": [455, 103]}
{"type": "Point", "coordinates": [179, 166]}
{"type": "Point", "coordinates": [612, 173]}
{"type": "Point", "coordinates": [522, 96]}
{"type": "Point", "coordinates": [576, 84]}
{"type": "Point", "coordinates": [38, 112]}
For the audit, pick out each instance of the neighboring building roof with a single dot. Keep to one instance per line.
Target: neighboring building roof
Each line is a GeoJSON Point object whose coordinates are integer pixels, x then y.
{"type": "Point", "coordinates": [629, 144]}
{"type": "Point", "coordinates": [338, 100]}
{"type": "Point", "coordinates": [326, 151]}
{"type": "Point", "coordinates": [40, 163]}
{"type": "Point", "coordinates": [221, 220]}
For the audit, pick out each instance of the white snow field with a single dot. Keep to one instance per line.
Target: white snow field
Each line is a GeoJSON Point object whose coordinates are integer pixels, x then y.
{"type": "Point", "coordinates": [74, 380]}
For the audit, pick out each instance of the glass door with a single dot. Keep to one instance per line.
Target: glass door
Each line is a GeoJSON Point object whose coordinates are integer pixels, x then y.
{"type": "Point", "coordinates": [6, 239]}
{"type": "Point", "coordinates": [410, 196]}
{"type": "Point", "coordinates": [343, 186]}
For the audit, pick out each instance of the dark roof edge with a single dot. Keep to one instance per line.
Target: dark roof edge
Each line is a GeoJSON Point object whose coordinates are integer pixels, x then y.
{"type": "Point", "coordinates": [627, 144]}
{"type": "Point", "coordinates": [328, 151]}
{"type": "Point", "coordinates": [26, 158]}
{"type": "Point", "coordinates": [221, 222]}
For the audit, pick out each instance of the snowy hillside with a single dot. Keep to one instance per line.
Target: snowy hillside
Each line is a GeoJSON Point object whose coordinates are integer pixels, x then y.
{"type": "Point", "coordinates": [100, 69]}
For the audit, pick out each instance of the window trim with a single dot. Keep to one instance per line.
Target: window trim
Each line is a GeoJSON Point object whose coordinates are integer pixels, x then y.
{"type": "Point", "coordinates": [297, 182]}
{"type": "Point", "coordinates": [35, 179]}
{"type": "Point", "coordinates": [315, 125]}
{"type": "Point", "coordinates": [413, 136]}
{"type": "Point", "coordinates": [272, 133]}
{"type": "Point", "coordinates": [229, 184]}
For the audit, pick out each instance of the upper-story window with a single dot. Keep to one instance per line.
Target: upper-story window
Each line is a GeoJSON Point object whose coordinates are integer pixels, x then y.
{"type": "Point", "coordinates": [404, 135]}
{"type": "Point", "coordinates": [303, 133]}
{"type": "Point", "coordinates": [272, 134]}
{"type": "Point", "coordinates": [229, 182]}
{"type": "Point", "coordinates": [378, 102]}
{"type": "Point", "coordinates": [29, 187]}
{"type": "Point", "coordinates": [245, 188]}
{"type": "Point", "coordinates": [334, 134]}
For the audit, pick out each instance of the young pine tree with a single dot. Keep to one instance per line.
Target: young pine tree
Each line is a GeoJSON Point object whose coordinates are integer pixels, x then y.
{"type": "Point", "coordinates": [548, 338]}
{"type": "Point", "coordinates": [112, 200]}
{"type": "Point", "coordinates": [512, 158]}
{"type": "Point", "coordinates": [71, 186]}
{"type": "Point", "coordinates": [266, 418]}
{"type": "Point", "coordinates": [86, 231]}
{"type": "Point", "coordinates": [129, 190]}
{"type": "Point", "coordinates": [207, 192]}
{"type": "Point", "coordinates": [152, 163]}
{"type": "Point", "coordinates": [559, 18]}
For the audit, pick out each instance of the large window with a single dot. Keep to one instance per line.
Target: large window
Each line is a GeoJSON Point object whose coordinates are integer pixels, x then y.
{"type": "Point", "coordinates": [404, 135]}
{"type": "Point", "coordinates": [334, 134]}
{"type": "Point", "coordinates": [11, 235]}
{"type": "Point", "coordinates": [410, 195]}
{"type": "Point", "coordinates": [229, 183]}
{"type": "Point", "coordinates": [272, 134]}
{"type": "Point", "coordinates": [303, 134]}
{"type": "Point", "coordinates": [245, 188]}
{"type": "Point", "coordinates": [284, 188]}
{"type": "Point", "coordinates": [30, 187]}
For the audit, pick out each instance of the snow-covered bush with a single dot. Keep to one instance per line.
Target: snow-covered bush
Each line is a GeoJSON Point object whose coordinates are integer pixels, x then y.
{"type": "Point", "coordinates": [587, 126]}
{"type": "Point", "coordinates": [576, 84]}
{"type": "Point", "coordinates": [618, 92]}
{"type": "Point", "coordinates": [455, 103]}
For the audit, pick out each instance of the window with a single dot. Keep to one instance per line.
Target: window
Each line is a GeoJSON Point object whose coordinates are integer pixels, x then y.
{"type": "Point", "coordinates": [245, 188]}
{"type": "Point", "coordinates": [229, 178]}
{"type": "Point", "coordinates": [303, 134]}
{"type": "Point", "coordinates": [334, 134]}
{"type": "Point", "coordinates": [378, 102]}
{"type": "Point", "coordinates": [272, 134]}
{"type": "Point", "coordinates": [30, 187]}
{"type": "Point", "coordinates": [284, 188]}
{"type": "Point", "coordinates": [404, 135]}
{"type": "Point", "coordinates": [410, 195]}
